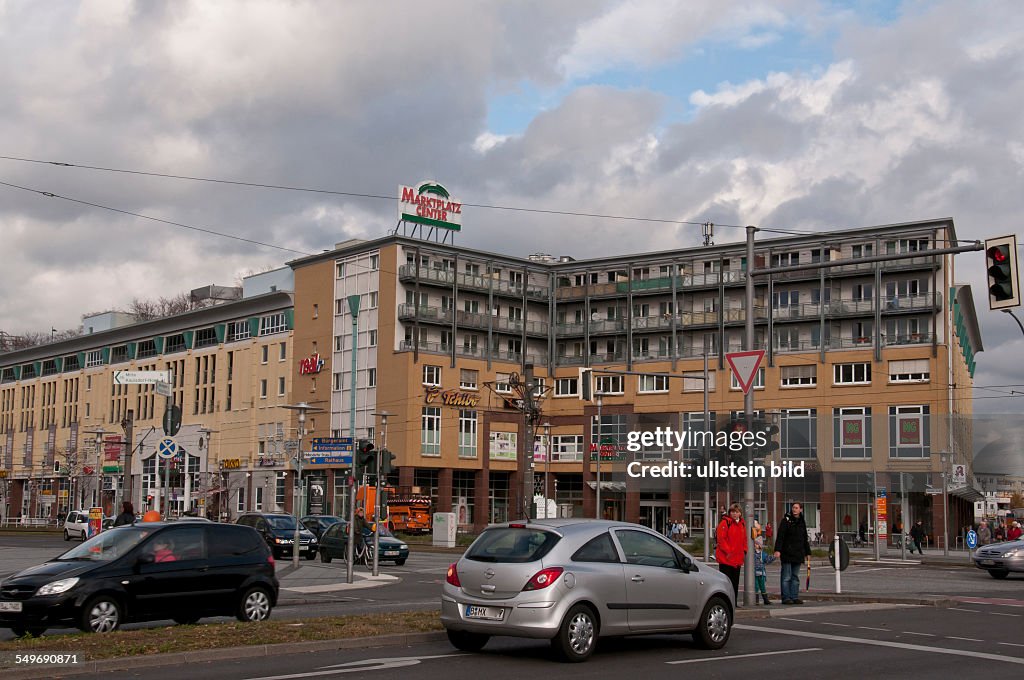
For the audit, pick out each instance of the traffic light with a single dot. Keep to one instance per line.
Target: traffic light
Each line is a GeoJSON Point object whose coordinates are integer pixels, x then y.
{"type": "Point", "coordinates": [366, 457]}
{"type": "Point", "coordinates": [387, 462]}
{"type": "Point", "coordinates": [586, 384]}
{"type": "Point", "coordinates": [56, 466]}
{"type": "Point", "coordinates": [771, 433]}
{"type": "Point", "coordinates": [1003, 279]}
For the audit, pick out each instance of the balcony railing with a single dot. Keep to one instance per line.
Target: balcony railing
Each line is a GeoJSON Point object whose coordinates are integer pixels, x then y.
{"type": "Point", "coordinates": [474, 352]}
{"type": "Point", "coordinates": [655, 285]}
{"type": "Point", "coordinates": [472, 320]}
{"type": "Point", "coordinates": [483, 284]}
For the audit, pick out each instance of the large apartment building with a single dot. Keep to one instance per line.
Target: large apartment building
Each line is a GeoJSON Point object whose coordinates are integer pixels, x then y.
{"type": "Point", "coordinates": [68, 431]}
{"type": "Point", "coordinates": [867, 373]}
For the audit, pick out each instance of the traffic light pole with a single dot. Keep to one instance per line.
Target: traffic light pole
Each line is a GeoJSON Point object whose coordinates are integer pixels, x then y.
{"type": "Point", "coordinates": [353, 305]}
{"type": "Point", "coordinates": [1015, 319]}
{"type": "Point", "coordinates": [376, 498]}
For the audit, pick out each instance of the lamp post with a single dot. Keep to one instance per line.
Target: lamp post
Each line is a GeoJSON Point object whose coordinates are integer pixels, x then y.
{"type": "Point", "coordinates": [303, 408]}
{"type": "Point", "coordinates": [353, 308]}
{"type": "Point", "coordinates": [99, 432]}
{"type": "Point", "coordinates": [547, 467]}
{"type": "Point", "coordinates": [376, 499]}
{"type": "Point", "coordinates": [598, 514]}
{"type": "Point", "coordinates": [207, 485]}
{"type": "Point", "coordinates": [945, 507]}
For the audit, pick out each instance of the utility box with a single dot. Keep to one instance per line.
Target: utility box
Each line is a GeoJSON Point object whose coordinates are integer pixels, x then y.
{"type": "Point", "coordinates": [445, 527]}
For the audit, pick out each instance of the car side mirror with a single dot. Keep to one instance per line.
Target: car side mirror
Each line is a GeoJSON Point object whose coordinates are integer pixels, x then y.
{"type": "Point", "coordinates": [145, 558]}
{"type": "Point", "coordinates": [686, 564]}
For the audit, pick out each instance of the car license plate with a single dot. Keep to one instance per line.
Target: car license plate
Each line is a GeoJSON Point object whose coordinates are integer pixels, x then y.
{"type": "Point", "coordinates": [492, 613]}
{"type": "Point", "coordinates": [390, 553]}
{"type": "Point", "coordinates": [988, 562]}
{"type": "Point", "coordinates": [10, 606]}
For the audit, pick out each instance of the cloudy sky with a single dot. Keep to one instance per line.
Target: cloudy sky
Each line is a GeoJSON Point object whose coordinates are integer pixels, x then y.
{"type": "Point", "coordinates": [800, 114]}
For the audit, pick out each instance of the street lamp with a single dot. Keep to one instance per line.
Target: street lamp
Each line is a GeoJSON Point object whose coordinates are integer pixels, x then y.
{"type": "Point", "coordinates": [99, 432]}
{"type": "Point", "coordinates": [303, 408]}
{"type": "Point", "coordinates": [376, 500]}
{"type": "Point", "coordinates": [207, 485]}
{"type": "Point", "coordinates": [547, 465]}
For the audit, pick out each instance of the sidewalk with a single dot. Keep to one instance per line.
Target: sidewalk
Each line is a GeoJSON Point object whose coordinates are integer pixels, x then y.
{"type": "Point", "coordinates": [314, 580]}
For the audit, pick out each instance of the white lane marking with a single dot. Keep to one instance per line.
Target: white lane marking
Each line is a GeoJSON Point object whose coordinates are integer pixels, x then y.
{"type": "Point", "coordinates": [883, 643]}
{"type": "Point", "coordinates": [1011, 644]}
{"type": "Point", "coordinates": [1004, 614]}
{"type": "Point", "coordinates": [360, 666]}
{"type": "Point", "coordinates": [907, 632]}
{"type": "Point", "coordinates": [838, 625]}
{"type": "Point", "coordinates": [864, 571]}
{"type": "Point", "coordinates": [884, 630]}
{"type": "Point", "coordinates": [747, 656]}
{"type": "Point", "coordinates": [952, 637]}
{"type": "Point", "coordinates": [972, 611]}
{"type": "Point", "coordinates": [781, 618]}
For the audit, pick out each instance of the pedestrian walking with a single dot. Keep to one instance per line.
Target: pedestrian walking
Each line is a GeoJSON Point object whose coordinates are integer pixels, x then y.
{"type": "Point", "coordinates": [984, 533]}
{"type": "Point", "coordinates": [127, 515]}
{"type": "Point", "coordinates": [1014, 532]}
{"type": "Point", "coordinates": [684, 530]}
{"type": "Point", "coordinates": [998, 534]}
{"type": "Point", "coordinates": [917, 534]}
{"type": "Point", "coordinates": [732, 545]}
{"type": "Point", "coordinates": [862, 530]}
{"type": "Point", "coordinates": [761, 560]}
{"type": "Point", "coordinates": [792, 548]}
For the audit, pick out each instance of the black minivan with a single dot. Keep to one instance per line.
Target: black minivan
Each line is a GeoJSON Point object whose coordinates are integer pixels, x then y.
{"type": "Point", "coordinates": [278, 530]}
{"type": "Point", "coordinates": [143, 572]}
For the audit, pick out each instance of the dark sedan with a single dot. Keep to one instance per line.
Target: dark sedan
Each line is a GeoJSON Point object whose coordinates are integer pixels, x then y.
{"type": "Point", "coordinates": [318, 524]}
{"type": "Point", "coordinates": [335, 545]}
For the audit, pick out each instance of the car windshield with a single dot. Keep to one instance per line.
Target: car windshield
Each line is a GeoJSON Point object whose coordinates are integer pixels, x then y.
{"type": "Point", "coordinates": [107, 546]}
{"type": "Point", "coordinates": [512, 544]}
{"type": "Point", "coordinates": [384, 531]}
{"type": "Point", "coordinates": [282, 522]}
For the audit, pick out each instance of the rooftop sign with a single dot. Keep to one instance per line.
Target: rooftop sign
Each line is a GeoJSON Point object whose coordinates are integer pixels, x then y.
{"type": "Point", "coordinates": [429, 203]}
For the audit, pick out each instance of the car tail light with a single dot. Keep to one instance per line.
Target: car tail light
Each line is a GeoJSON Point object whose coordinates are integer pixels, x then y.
{"type": "Point", "coordinates": [516, 526]}
{"type": "Point", "coordinates": [452, 578]}
{"type": "Point", "coordinates": [270, 560]}
{"type": "Point", "coordinates": [543, 578]}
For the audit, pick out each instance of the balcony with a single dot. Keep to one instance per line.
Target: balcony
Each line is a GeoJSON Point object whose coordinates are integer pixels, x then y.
{"type": "Point", "coordinates": [659, 285]}
{"type": "Point", "coordinates": [912, 303]}
{"type": "Point", "coordinates": [437, 315]}
{"type": "Point", "coordinates": [539, 358]}
{"type": "Point", "coordinates": [479, 283]}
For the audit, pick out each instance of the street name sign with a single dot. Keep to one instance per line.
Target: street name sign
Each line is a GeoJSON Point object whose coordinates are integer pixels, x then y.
{"type": "Point", "coordinates": [330, 451]}
{"type": "Point", "coordinates": [141, 377]}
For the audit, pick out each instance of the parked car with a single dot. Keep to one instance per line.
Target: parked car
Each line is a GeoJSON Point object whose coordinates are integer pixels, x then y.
{"type": "Point", "coordinates": [278, 530]}
{"type": "Point", "coordinates": [76, 525]}
{"type": "Point", "coordinates": [141, 572]}
{"type": "Point", "coordinates": [1001, 558]}
{"type": "Point", "coordinates": [318, 523]}
{"type": "Point", "coordinates": [572, 581]}
{"type": "Point", "coordinates": [335, 545]}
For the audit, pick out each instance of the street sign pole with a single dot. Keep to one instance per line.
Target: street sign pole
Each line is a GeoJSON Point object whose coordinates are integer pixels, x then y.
{"type": "Point", "coordinates": [353, 306]}
{"type": "Point", "coordinates": [748, 410]}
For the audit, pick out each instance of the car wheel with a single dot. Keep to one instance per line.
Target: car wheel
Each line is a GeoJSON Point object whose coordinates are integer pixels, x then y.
{"type": "Point", "coordinates": [324, 557]}
{"type": "Point", "coordinates": [22, 631]}
{"type": "Point", "coordinates": [399, 563]}
{"type": "Point", "coordinates": [67, 536]}
{"type": "Point", "coordinates": [467, 642]}
{"type": "Point", "coordinates": [999, 573]}
{"type": "Point", "coordinates": [311, 555]}
{"type": "Point", "coordinates": [577, 636]}
{"type": "Point", "coordinates": [187, 620]}
{"type": "Point", "coordinates": [101, 614]}
{"type": "Point", "coordinates": [714, 626]}
{"type": "Point", "coordinates": [254, 605]}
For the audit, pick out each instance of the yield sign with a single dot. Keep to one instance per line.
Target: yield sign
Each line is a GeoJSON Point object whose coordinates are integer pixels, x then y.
{"type": "Point", "coordinates": [744, 366]}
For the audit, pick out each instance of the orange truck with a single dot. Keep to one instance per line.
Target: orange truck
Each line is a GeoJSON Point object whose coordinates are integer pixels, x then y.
{"type": "Point", "coordinates": [410, 514]}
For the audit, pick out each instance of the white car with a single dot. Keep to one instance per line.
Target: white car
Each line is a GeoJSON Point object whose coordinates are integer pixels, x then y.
{"type": "Point", "coordinates": [76, 524]}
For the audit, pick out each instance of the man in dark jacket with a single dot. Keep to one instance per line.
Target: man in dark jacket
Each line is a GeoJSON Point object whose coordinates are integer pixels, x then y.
{"type": "Point", "coordinates": [127, 515]}
{"type": "Point", "coordinates": [917, 533]}
{"type": "Point", "coordinates": [792, 548]}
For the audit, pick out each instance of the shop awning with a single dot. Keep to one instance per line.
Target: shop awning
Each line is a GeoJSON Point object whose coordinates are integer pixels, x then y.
{"type": "Point", "coordinates": [968, 493]}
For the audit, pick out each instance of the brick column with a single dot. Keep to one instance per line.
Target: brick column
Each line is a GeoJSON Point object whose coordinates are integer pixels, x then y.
{"type": "Point", "coordinates": [444, 490]}
{"type": "Point", "coordinates": [406, 477]}
{"type": "Point", "coordinates": [676, 500]}
{"type": "Point", "coordinates": [827, 508]}
{"type": "Point", "coordinates": [481, 499]}
{"type": "Point", "coordinates": [632, 509]}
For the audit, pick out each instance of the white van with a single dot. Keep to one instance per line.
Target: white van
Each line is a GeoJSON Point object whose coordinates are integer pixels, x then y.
{"type": "Point", "coordinates": [76, 524]}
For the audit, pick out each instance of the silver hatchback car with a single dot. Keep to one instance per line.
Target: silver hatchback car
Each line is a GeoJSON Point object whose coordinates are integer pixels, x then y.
{"type": "Point", "coordinates": [574, 580]}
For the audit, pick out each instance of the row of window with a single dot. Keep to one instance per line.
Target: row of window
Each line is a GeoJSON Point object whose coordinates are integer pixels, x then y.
{"type": "Point", "coordinates": [857, 373]}
{"type": "Point", "coordinates": [909, 433]}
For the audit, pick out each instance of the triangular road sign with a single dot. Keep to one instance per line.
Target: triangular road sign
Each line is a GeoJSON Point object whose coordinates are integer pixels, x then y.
{"type": "Point", "coordinates": [744, 366]}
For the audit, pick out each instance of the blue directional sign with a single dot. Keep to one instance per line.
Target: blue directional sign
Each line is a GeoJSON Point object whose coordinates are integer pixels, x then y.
{"type": "Point", "coordinates": [972, 539]}
{"type": "Point", "coordinates": [167, 448]}
{"type": "Point", "coordinates": [330, 451]}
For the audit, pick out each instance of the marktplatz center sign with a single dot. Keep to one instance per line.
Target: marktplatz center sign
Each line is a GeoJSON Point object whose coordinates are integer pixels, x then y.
{"type": "Point", "coordinates": [429, 203]}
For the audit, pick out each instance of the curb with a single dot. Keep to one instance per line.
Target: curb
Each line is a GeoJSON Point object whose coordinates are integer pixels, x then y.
{"type": "Point", "coordinates": [221, 654]}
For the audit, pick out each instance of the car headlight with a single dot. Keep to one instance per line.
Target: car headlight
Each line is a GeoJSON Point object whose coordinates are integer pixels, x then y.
{"type": "Point", "coordinates": [402, 546]}
{"type": "Point", "coordinates": [1012, 553]}
{"type": "Point", "coordinates": [313, 540]}
{"type": "Point", "coordinates": [57, 587]}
